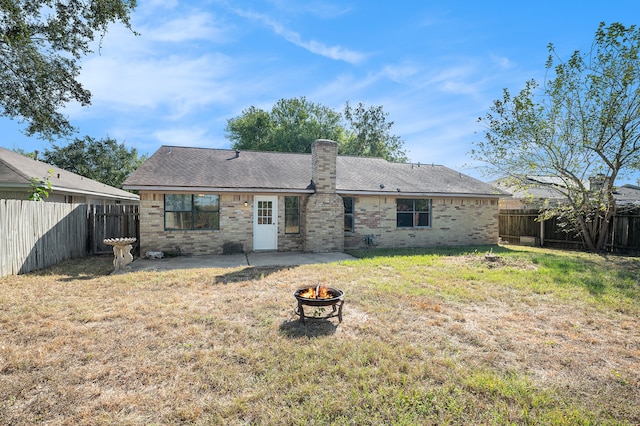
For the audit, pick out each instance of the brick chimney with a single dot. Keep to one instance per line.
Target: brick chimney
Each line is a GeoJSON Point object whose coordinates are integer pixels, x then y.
{"type": "Point", "coordinates": [597, 182]}
{"type": "Point", "coordinates": [324, 154]}
{"type": "Point", "coordinates": [324, 210]}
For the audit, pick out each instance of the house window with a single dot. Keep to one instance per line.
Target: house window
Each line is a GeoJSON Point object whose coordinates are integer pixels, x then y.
{"type": "Point", "coordinates": [348, 214]}
{"type": "Point", "coordinates": [413, 213]}
{"type": "Point", "coordinates": [291, 215]}
{"type": "Point", "coordinates": [190, 211]}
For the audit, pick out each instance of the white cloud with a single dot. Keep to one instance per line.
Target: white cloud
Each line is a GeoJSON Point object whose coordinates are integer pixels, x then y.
{"type": "Point", "coordinates": [155, 69]}
{"type": "Point", "coordinates": [179, 83]}
{"type": "Point", "coordinates": [332, 52]}
{"type": "Point", "coordinates": [320, 8]}
{"type": "Point", "coordinates": [400, 73]}
{"type": "Point", "coordinates": [502, 62]}
{"type": "Point", "coordinates": [195, 136]}
{"type": "Point", "coordinates": [151, 6]}
{"type": "Point", "coordinates": [343, 87]}
{"type": "Point", "coordinates": [196, 26]}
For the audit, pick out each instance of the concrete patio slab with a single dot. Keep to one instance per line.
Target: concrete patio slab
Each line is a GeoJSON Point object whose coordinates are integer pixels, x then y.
{"type": "Point", "coordinates": [237, 260]}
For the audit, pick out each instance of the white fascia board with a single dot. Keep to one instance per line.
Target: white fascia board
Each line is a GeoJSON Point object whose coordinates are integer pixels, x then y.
{"type": "Point", "coordinates": [192, 189]}
{"type": "Point", "coordinates": [418, 194]}
{"type": "Point", "coordinates": [133, 197]}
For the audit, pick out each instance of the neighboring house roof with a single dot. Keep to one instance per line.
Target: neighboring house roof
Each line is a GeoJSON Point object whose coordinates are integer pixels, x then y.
{"type": "Point", "coordinates": [533, 188]}
{"type": "Point", "coordinates": [551, 188]}
{"type": "Point", "coordinates": [174, 168]}
{"type": "Point", "coordinates": [627, 194]}
{"type": "Point", "coordinates": [16, 170]}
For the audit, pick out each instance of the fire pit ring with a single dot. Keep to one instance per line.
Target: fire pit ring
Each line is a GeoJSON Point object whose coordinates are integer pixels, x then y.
{"type": "Point", "coordinates": [311, 296]}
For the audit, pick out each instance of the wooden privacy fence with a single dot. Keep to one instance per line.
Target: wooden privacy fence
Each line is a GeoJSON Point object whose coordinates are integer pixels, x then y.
{"type": "Point", "coordinates": [36, 235]}
{"type": "Point", "coordinates": [112, 221]}
{"type": "Point", "coordinates": [626, 233]}
{"type": "Point", "coordinates": [523, 227]}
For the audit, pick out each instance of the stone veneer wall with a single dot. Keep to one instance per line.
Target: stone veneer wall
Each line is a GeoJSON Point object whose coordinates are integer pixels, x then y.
{"type": "Point", "coordinates": [455, 222]}
{"type": "Point", "coordinates": [236, 228]}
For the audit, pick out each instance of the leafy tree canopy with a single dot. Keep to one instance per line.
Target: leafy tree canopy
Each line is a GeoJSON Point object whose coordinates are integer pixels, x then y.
{"type": "Point", "coordinates": [581, 126]}
{"type": "Point", "coordinates": [294, 124]}
{"type": "Point", "coordinates": [370, 135]}
{"type": "Point", "coordinates": [41, 43]}
{"type": "Point", "coordinates": [291, 126]}
{"type": "Point", "coordinates": [104, 160]}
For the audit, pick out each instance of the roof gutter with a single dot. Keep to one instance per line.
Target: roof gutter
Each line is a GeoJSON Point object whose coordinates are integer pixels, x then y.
{"type": "Point", "coordinates": [306, 191]}
{"type": "Point", "coordinates": [215, 189]}
{"type": "Point", "coordinates": [23, 187]}
{"type": "Point", "coordinates": [133, 197]}
{"type": "Point", "coordinates": [15, 185]}
{"type": "Point", "coordinates": [418, 194]}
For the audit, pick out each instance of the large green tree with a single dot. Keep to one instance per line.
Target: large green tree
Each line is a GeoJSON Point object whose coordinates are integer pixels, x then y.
{"type": "Point", "coordinates": [370, 134]}
{"type": "Point", "coordinates": [581, 126]}
{"type": "Point", "coordinates": [41, 43]}
{"type": "Point", "coordinates": [104, 160]}
{"type": "Point", "coordinates": [294, 124]}
{"type": "Point", "coordinates": [291, 126]}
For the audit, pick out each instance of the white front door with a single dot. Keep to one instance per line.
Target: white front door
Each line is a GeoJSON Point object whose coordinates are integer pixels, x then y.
{"type": "Point", "coordinates": [265, 223]}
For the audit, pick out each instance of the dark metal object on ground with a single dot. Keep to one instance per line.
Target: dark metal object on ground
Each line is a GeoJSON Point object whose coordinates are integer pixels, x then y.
{"type": "Point", "coordinates": [335, 300]}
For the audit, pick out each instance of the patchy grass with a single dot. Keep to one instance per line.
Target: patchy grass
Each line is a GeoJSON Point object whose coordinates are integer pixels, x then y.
{"type": "Point", "coordinates": [495, 335]}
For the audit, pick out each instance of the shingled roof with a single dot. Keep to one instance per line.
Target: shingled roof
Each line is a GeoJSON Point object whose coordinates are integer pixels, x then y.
{"type": "Point", "coordinates": [173, 168]}
{"type": "Point", "coordinates": [16, 170]}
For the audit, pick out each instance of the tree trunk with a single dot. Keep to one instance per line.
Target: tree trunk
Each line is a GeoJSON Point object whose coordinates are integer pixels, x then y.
{"type": "Point", "coordinates": [604, 229]}
{"type": "Point", "coordinates": [587, 235]}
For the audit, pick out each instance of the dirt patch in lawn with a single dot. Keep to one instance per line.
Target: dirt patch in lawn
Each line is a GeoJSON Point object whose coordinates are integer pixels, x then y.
{"type": "Point", "coordinates": [489, 260]}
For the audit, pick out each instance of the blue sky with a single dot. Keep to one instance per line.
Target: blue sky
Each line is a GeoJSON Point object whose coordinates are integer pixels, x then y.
{"type": "Point", "coordinates": [434, 66]}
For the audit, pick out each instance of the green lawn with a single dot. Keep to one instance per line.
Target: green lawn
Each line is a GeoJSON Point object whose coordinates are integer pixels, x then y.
{"type": "Point", "coordinates": [490, 335]}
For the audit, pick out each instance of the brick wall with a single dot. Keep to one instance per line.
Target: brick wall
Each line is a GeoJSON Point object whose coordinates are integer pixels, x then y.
{"type": "Point", "coordinates": [324, 155]}
{"type": "Point", "coordinates": [455, 222]}
{"type": "Point", "coordinates": [236, 228]}
{"type": "Point", "coordinates": [323, 214]}
{"type": "Point", "coordinates": [323, 223]}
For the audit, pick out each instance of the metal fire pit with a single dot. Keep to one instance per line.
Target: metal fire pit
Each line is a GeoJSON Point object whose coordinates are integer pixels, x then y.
{"type": "Point", "coordinates": [336, 302]}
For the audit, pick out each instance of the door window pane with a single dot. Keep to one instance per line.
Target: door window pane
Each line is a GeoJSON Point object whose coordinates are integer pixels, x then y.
{"type": "Point", "coordinates": [265, 212]}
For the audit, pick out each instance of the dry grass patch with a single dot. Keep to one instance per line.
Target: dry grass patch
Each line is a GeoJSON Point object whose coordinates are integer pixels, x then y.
{"type": "Point", "coordinates": [427, 338]}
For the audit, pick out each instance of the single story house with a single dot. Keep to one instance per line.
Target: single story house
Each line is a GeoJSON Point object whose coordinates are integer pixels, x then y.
{"type": "Point", "coordinates": [16, 172]}
{"type": "Point", "coordinates": [210, 201]}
